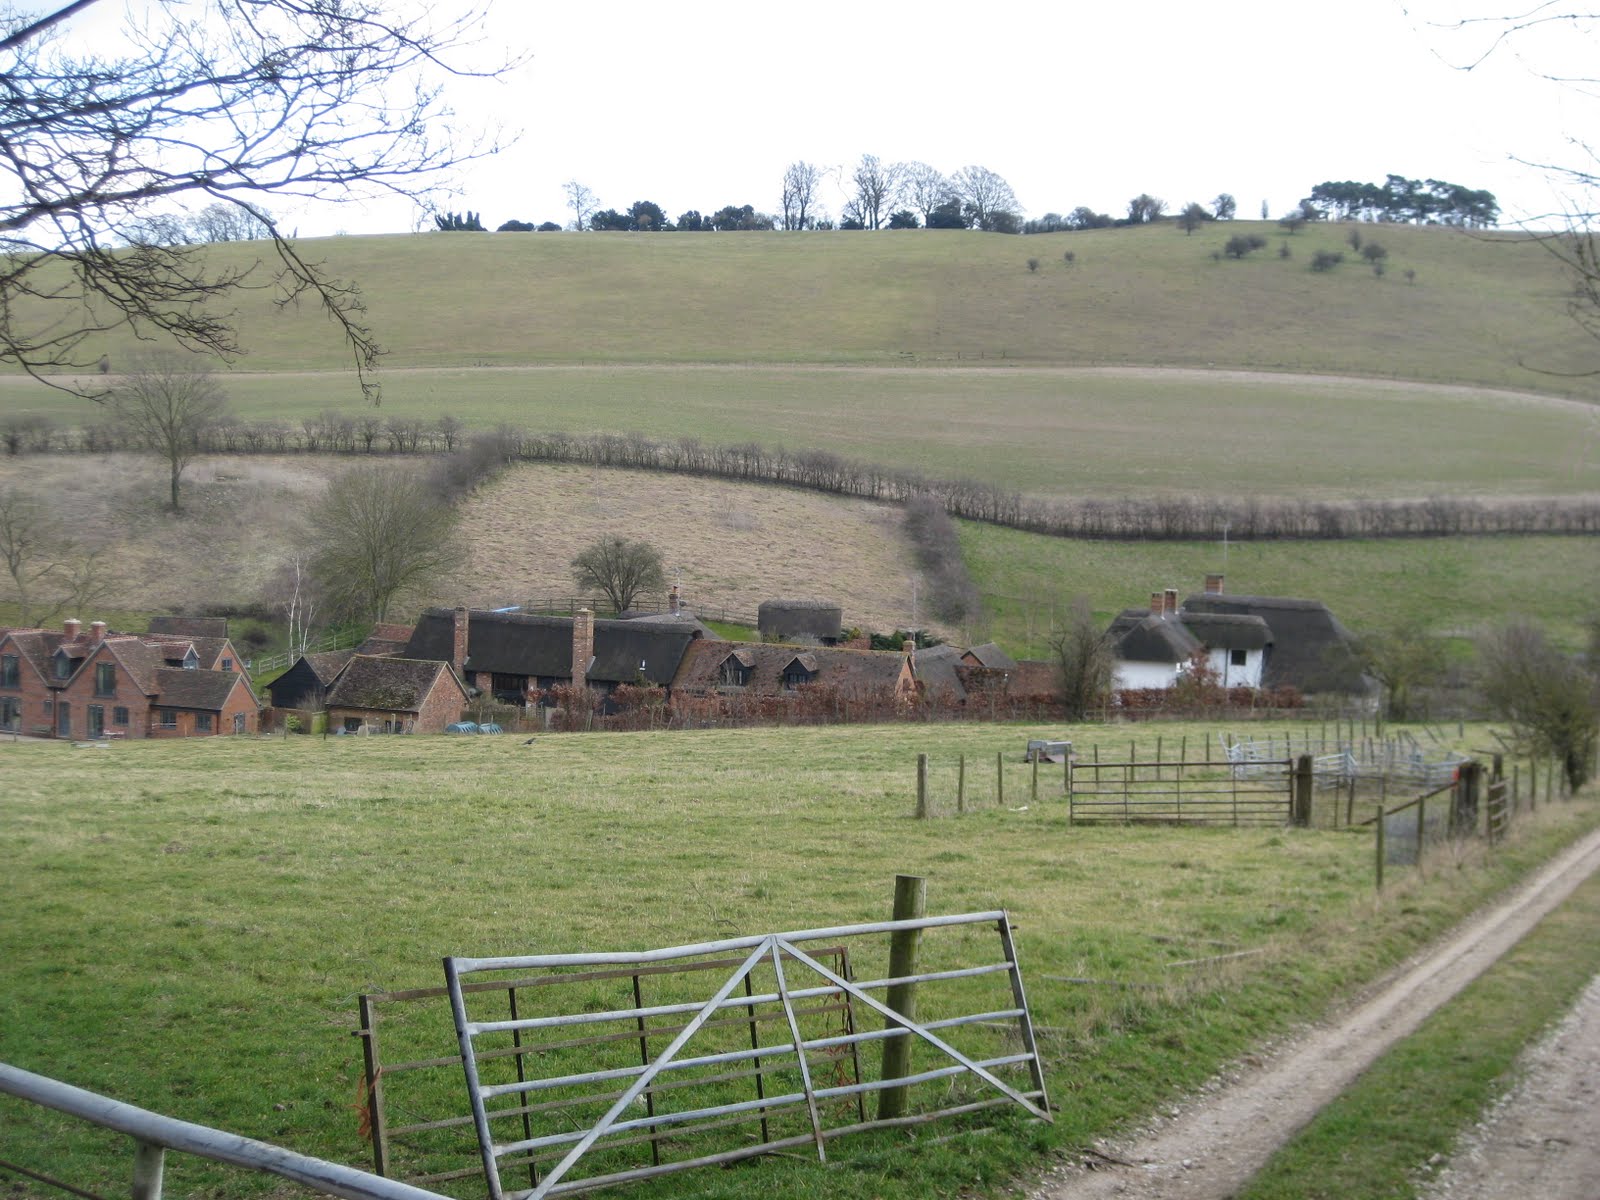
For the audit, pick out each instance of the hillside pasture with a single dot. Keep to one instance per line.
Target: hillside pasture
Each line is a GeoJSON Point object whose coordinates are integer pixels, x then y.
{"type": "Point", "coordinates": [1487, 309]}
{"type": "Point", "coordinates": [189, 923]}
{"type": "Point", "coordinates": [1047, 432]}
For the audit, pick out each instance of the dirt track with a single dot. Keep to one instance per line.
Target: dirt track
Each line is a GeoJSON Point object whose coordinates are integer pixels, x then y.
{"type": "Point", "coordinates": [1210, 1148]}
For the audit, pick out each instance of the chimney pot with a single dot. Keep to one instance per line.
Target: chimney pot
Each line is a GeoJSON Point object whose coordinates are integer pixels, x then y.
{"type": "Point", "coordinates": [1158, 603]}
{"type": "Point", "coordinates": [1170, 603]}
{"type": "Point", "coordinates": [70, 627]}
{"type": "Point", "coordinates": [97, 631]}
{"type": "Point", "coordinates": [1213, 585]}
{"type": "Point", "coordinates": [673, 601]}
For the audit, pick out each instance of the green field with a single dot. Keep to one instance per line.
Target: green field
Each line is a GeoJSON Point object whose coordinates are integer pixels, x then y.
{"type": "Point", "coordinates": [1145, 366]}
{"type": "Point", "coordinates": [188, 924]}
{"type": "Point", "coordinates": [1454, 587]}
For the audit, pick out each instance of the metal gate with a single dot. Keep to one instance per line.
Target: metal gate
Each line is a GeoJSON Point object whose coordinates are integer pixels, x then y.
{"type": "Point", "coordinates": [689, 1103]}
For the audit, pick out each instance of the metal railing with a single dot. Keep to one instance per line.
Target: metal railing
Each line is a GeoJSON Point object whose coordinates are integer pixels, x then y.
{"type": "Point", "coordinates": [153, 1135]}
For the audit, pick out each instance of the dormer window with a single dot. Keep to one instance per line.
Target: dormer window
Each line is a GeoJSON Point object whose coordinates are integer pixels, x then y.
{"type": "Point", "coordinates": [736, 669]}
{"type": "Point", "coordinates": [801, 670]}
{"type": "Point", "coordinates": [63, 664]}
{"type": "Point", "coordinates": [191, 660]}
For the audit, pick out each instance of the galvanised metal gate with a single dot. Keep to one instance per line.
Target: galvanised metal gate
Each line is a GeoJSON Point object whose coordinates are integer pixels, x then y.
{"type": "Point", "coordinates": [690, 1102]}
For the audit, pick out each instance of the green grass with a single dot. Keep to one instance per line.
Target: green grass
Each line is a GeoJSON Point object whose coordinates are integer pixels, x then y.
{"type": "Point", "coordinates": [1478, 307]}
{"type": "Point", "coordinates": [1455, 587]}
{"type": "Point", "coordinates": [1377, 1140]}
{"type": "Point", "coordinates": [189, 923]}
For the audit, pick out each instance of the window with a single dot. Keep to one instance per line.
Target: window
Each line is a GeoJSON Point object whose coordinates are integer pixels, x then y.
{"type": "Point", "coordinates": [227, 664]}
{"type": "Point", "coordinates": [734, 672]}
{"type": "Point", "coordinates": [10, 713]}
{"type": "Point", "coordinates": [794, 675]}
{"type": "Point", "coordinates": [10, 671]}
{"type": "Point", "coordinates": [63, 665]}
{"type": "Point", "coordinates": [191, 660]}
{"type": "Point", "coordinates": [105, 679]}
{"type": "Point", "coordinates": [1238, 657]}
{"type": "Point", "coordinates": [168, 718]}
{"type": "Point", "coordinates": [202, 722]}
{"type": "Point", "coordinates": [119, 716]}
{"type": "Point", "coordinates": [97, 720]}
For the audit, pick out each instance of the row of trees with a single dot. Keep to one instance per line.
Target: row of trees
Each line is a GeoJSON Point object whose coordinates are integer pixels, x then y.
{"type": "Point", "coordinates": [1165, 518]}
{"type": "Point", "coordinates": [1413, 201]}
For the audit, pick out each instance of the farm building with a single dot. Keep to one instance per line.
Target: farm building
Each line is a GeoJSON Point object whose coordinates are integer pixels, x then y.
{"type": "Point", "coordinates": [1248, 641]}
{"type": "Point", "coordinates": [765, 668]}
{"type": "Point", "coordinates": [304, 686]}
{"type": "Point", "coordinates": [819, 621]}
{"type": "Point", "coordinates": [70, 684]}
{"type": "Point", "coordinates": [516, 657]}
{"type": "Point", "coordinates": [394, 695]}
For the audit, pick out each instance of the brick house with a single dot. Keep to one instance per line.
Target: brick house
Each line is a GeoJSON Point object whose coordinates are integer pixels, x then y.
{"type": "Point", "coordinates": [395, 695]}
{"type": "Point", "coordinates": [70, 684]}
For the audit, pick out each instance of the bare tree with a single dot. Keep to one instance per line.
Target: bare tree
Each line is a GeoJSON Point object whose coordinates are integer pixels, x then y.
{"type": "Point", "coordinates": [293, 591]}
{"type": "Point", "coordinates": [1224, 206]}
{"type": "Point", "coordinates": [984, 194]}
{"type": "Point", "coordinates": [226, 101]}
{"type": "Point", "coordinates": [49, 570]}
{"type": "Point", "coordinates": [800, 183]}
{"type": "Point", "coordinates": [1551, 699]}
{"type": "Point", "coordinates": [219, 222]}
{"type": "Point", "coordinates": [167, 402]}
{"type": "Point", "coordinates": [383, 534]}
{"type": "Point", "coordinates": [1082, 655]}
{"type": "Point", "coordinates": [926, 188]}
{"type": "Point", "coordinates": [877, 189]}
{"type": "Point", "coordinates": [582, 202]}
{"type": "Point", "coordinates": [620, 568]}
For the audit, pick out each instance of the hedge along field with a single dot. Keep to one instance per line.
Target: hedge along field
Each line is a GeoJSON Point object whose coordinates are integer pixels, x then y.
{"type": "Point", "coordinates": [1486, 309]}
{"type": "Point", "coordinates": [188, 924]}
{"type": "Point", "coordinates": [1047, 432]}
{"type": "Point", "coordinates": [1454, 586]}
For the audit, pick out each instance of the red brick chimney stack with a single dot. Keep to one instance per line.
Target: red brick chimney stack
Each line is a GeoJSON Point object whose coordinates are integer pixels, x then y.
{"type": "Point", "coordinates": [1213, 585]}
{"type": "Point", "coordinates": [674, 602]}
{"type": "Point", "coordinates": [1169, 605]}
{"type": "Point", "coordinates": [71, 627]}
{"type": "Point", "coordinates": [1158, 603]}
{"type": "Point", "coordinates": [97, 632]}
{"type": "Point", "coordinates": [582, 646]}
{"type": "Point", "coordinates": [458, 646]}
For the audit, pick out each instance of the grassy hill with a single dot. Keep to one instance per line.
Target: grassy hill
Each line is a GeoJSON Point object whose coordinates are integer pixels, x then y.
{"type": "Point", "coordinates": [1144, 296]}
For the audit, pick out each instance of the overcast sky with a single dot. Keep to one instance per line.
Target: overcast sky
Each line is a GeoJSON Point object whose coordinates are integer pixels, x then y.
{"type": "Point", "coordinates": [695, 106]}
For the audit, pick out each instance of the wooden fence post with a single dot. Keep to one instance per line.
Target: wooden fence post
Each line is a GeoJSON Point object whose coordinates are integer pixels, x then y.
{"type": "Point", "coordinates": [1464, 806]}
{"type": "Point", "coordinates": [1035, 779]}
{"type": "Point", "coordinates": [1000, 777]}
{"type": "Point", "coordinates": [961, 785]}
{"type": "Point", "coordinates": [922, 787]}
{"type": "Point", "coordinates": [1378, 844]}
{"type": "Point", "coordinates": [910, 903]}
{"type": "Point", "coordinates": [1300, 793]}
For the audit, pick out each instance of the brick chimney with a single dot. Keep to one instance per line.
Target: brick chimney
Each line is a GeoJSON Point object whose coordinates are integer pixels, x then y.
{"type": "Point", "coordinates": [97, 632]}
{"type": "Point", "coordinates": [1169, 604]}
{"type": "Point", "coordinates": [582, 646]}
{"type": "Point", "coordinates": [71, 626]}
{"type": "Point", "coordinates": [674, 603]}
{"type": "Point", "coordinates": [1158, 603]}
{"type": "Point", "coordinates": [1213, 585]}
{"type": "Point", "coordinates": [458, 644]}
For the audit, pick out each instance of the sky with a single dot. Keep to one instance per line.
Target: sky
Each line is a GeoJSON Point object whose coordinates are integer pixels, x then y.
{"type": "Point", "coordinates": [1073, 104]}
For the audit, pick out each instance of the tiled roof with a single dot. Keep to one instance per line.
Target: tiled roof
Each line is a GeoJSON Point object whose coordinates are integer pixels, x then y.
{"type": "Point", "coordinates": [990, 655]}
{"type": "Point", "coordinates": [389, 684]}
{"type": "Point", "coordinates": [327, 664]}
{"type": "Point", "coordinates": [206, 691]}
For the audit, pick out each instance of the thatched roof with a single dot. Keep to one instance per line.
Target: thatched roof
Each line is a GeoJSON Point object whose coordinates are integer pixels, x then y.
{"type": "Point", "coordinates": [860, 672]}
{"type": "Point", "coordinates": [541, 647]}
{"type": "Point", "coordinates": [800, 618]}
{"type": "Point", "coordinates": [1309, 649]}
{"type": "Point", "coordinates": [1228, 631]}
{"type": "Point", "coordinates": [1154, 639]}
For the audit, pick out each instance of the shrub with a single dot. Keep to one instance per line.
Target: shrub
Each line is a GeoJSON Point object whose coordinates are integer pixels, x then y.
{"type": "Point", "coordinates": [1326, 260]}
{"type": "Point", "coordinates": [1033, 264]}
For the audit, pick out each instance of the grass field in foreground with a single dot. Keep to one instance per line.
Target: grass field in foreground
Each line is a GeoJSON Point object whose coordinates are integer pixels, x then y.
{"type": "Point", "coordinates": [1455, 587]}
{"type": "Point", "coordinates": [1047, 432]}
{"type": "Point", "coordinates": [1379, 1139]}
{"type": "Point", "coordinates": [187, 925]}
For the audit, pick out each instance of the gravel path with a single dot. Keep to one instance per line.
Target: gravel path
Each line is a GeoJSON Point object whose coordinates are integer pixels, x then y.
{"type": "Point", "coordinates": [1543, 1138]}
{"type": "Point", "coordinates": [1210, 1147]}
